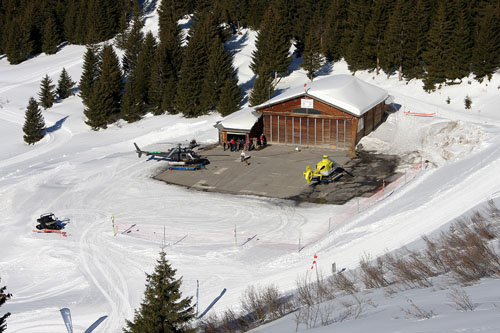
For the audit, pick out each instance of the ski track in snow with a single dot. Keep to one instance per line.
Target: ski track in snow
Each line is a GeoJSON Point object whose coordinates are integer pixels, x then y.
{"type": "Point", "coordinates": [88, 177]}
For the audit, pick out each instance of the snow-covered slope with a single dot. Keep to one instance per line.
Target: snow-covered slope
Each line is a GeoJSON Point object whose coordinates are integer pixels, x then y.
{"type": "Point", "coordinates": [87, 177]}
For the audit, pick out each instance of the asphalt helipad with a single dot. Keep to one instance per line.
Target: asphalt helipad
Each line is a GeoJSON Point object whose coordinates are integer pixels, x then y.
{"type": "Point", "coordinates": [277, 171]}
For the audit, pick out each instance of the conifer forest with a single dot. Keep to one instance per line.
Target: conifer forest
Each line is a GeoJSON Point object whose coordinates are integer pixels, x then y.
{"type": "Point", "coordinates": [438, 41]}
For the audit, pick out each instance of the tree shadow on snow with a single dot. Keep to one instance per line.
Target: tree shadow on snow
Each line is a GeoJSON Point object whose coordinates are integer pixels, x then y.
{"type": "Point", "coordinates": [325, 70]}
{"type": "Point", "coordinates": [235, 44]}
{"type": "Point", "coordinates": [56, 126]}
{"type": "Point", "coordinates": [148, 7]}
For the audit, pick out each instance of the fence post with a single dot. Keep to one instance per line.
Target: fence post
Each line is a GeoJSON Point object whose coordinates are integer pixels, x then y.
{"type": "Point", "coordinates": [235, 235]}
{"type": "Point", "coordinates": [300, 234]}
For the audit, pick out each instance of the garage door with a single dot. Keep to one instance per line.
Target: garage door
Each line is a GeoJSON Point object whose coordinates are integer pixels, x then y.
{"type": "Point", "coordinates": [308, 131]}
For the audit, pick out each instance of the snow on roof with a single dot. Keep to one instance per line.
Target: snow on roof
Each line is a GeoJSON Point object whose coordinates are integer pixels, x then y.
{"type": "Point", "coordinates": [344, 91]}
{"type": "Point", "coordinates": [242, 120]}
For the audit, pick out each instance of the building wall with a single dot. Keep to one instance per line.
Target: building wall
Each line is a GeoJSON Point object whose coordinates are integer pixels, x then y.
{"type": "Point", "coordinates": [324, 126]}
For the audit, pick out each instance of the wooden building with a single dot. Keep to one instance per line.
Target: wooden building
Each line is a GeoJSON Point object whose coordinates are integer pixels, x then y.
{"type": "Point", "coordinates": [334, 112]}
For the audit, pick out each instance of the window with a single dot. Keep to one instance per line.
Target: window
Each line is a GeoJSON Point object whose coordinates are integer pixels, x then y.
{"type": "Point", "coordinates": [306, 111]}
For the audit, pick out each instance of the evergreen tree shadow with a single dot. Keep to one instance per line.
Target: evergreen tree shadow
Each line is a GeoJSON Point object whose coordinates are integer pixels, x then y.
{"type": "Point", "coordinates": [236, 43]}
{"type": "Point", "coordinates": [247, 86]}
{"type": "Point", "coordinates": [295, 65]}
{"type": "Point", "coordinates": [56, 126]}
{"type": "Point", "coordinates": [61, 46]}
{"type": "Point", "coordinates": [393, 107]}
{"type": "Point", "coordinates": [245, 89]}
{"type": "Point", "coordinates": [325, 70]}
{"type": "Point", "coordinates": [187, 26]}
{"type": "Point", "coordinates": [148, 7]}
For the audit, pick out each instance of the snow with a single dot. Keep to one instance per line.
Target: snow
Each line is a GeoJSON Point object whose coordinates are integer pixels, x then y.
{"type": "Point", "coordinates": [86, 177]}
{"type": "Point", "coordinates": [344, 91]}
{"type": "Point", "coordinates": [242, 120]}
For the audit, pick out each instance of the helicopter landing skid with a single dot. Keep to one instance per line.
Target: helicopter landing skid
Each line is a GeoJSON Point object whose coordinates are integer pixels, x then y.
{"type": "Point", "coordinates": [186, 167]}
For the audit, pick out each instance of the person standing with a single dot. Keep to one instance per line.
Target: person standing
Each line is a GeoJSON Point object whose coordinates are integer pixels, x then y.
{"type": "Point", "coordinates": [232, 144]}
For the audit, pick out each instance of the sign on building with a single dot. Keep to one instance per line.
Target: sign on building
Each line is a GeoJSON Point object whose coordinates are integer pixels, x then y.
{"type": "Point", "coordinates": [307, 103]}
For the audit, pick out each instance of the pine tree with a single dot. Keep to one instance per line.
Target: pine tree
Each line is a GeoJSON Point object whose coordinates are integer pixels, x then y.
{"type": "Point", "coordinates": [312, 58]}
{"type": "Point", "coordinates": [272, 46]}
{"type": "Point", "coordinates": [165, 72]}
{"type": "Point", "coordinates": [90, 74]}
{"type": "Point", "coordinates": [168, 11]}
{"type": "Point", "coordinates": [163, 86]}
{"type": "Point", "coordinates": [262, 90]}
{"type": "Point", "coordinates": [110, 83]}
{"type": "Point", "coordinates": [333, 48]}
{"type": "Point", "coordinates": [50, 37]}
{"type": "Point", "coordinates": [395, 38]}
{"type": "Point", "coordinates": [47, 94]}
{"type": "Point", "coordinates": [143, 71]}
{"type": "Point", "coordinates": [98, 102]}
{"type": "Point", "coordinates": [374, 33]}
{"type": "Point", "coordinates": [132, 107]}
{"type": "Point", "coordinates": [417, 29]}
{"type": "Point", "coordinates": [195, 65]}
{"type": "Point", "coordinates": [17, 45]}
{"type": "Point", "coordinates": [103, 102]}
{"type": "Point", "coordinates": [220, 69]}
{"type": "Point", "coordinates": [437, 56]}
{"type": "Point", "coordinates": [486, 52]}
{"type": "Point", "coordinates": [462, 42]}
{"type": "Point", "coordinates": [133, 46]}
{"type": "Point", "coordinates": [64, 85]}
{"type": "Point", "coordinates": [230, 97]}
{"type": "Point", "coordinates": [163, 310]}
{"type": "Point", "coordinates": [358, 15]}
{"type": "Point", "coordinates": [4, 297]}
{"type": "Point", "coordinates": [34, 124]}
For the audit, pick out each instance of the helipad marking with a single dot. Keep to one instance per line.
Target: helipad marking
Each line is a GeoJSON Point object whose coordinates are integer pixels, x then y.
{"type": "Point", "coordinates": [253, 192]}
{"type": "Point", "coordinates": [221, 170]}
{"type": "Point", "coordinates": [202, 184]}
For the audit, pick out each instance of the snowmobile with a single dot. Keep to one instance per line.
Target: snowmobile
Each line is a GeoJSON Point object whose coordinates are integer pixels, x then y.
{"type": "Point", "coordinates": [327, 171]}
{"type": "Point", "coordinates": [48, 223]}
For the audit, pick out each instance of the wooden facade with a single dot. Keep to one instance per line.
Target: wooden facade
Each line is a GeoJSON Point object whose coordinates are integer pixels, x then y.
{"type": "Point", "coordinates": [322, 125]}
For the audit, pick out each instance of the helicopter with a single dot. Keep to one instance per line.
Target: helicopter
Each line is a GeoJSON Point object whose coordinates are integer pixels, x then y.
{"type": "Point", "coordinates": [177, 156]}
{"type": "Point", "coordinates": [327, 171]}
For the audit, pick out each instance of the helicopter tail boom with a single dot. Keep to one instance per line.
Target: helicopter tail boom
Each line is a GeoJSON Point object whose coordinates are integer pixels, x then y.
{"type": "Point", "coordinates": [138, 150]}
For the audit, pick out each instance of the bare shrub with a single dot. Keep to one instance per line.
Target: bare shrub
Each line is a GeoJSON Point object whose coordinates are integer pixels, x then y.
{"type": "Point", "coordinates": [354, 309]}
{"type": "Point", "coordinates": [372, 276]}
{"type": "Point", "coordinates": [410, 270]}
{"type": "Point", "coordinates": [306, 295]}
{"type": "Point", "coordinates": [417, 312]}
{"type": "Point", "coordinates": [264, 303]}
{"type": "Point", "coordinates": [253, 303]}
{"type": "Point", "coordinates": [209, 324]}
{"type": "Point", "coordinates": [326, 312]}
{"type": "Point", "coordinates": [467, 254]}
{"type": "Point", "coordinates": [343, 283]}
{"type": "Point", "coordinates": [432, 253]}
{"type": "Point", "coordinates": [228, 322]}
{"type": "Point", "coordinates": [277, 305]}
{"type": "Point", "coordinates": [311, 292]}
{"type": "Point", "coordinates": [493, 212]}
{"type": "Point", "coordinates": [461, 300]}
{"type": "Point", "coordinates": [307, 315]}
{"type": "Point", "coordinates": [482, 227]}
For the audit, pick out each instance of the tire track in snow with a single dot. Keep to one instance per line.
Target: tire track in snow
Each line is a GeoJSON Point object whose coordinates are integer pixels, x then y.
{"type": "Point", "coordinates": [104, 274]}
